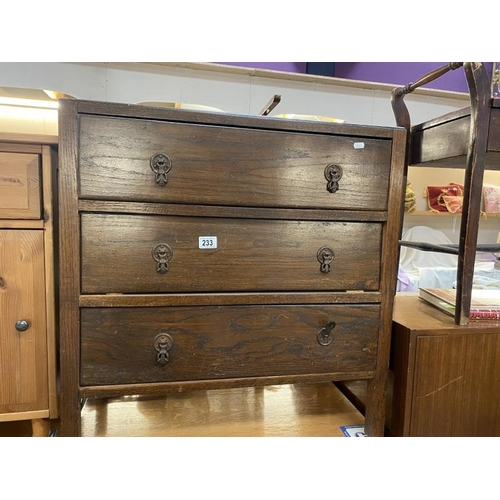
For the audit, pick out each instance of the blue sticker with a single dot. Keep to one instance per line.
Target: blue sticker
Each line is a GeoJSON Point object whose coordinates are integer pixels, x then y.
{"type": "Point", "coordinates": [353, 430]}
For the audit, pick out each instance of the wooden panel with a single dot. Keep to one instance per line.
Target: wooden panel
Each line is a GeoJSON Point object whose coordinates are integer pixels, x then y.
{"type": "Point", "coordinates": [230, 212]}
{"type": "Point", "coordinates": [494, 131]}
{"type": "Point", "coordinates": [13, 147]}
{"type": "Point", "coordinates": [376, 407]}
{"type": "Point", "coordinates": [23, 356]}
{"type": "Point", "coordinates": [21, 224]}
{"type": "Point", "coordinates": [224, 342]}
{"type": "Point", "coordinates": [449, 139]}
{"type": "Point", "coordinates": [28, 138]}
{"type": "Point", "coordinates": [49, 165]}
{"type": "Point", "coordinates": [251, 255]}
{"type": "Point", "coordinates": [162, 388]}
{"type": "Point", "coordinates": [402, 365]}
{"type": "Point", "coordinates": [226, 166]}
{"type": "Point", "coordinates": [69, 269]}
{"type": "Point", "coordinates": [19, 186]}
{"type": "Point", "coordinates": [220, 299]}
{"type": "Point", "coordinates": [24, 415]}
{"type": "Point", "coordinates": [455, 387]}
{"type": "Point", "coordinates": [444, 142]}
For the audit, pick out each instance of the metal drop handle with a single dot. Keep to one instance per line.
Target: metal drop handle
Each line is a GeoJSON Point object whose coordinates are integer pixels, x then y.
{"type": "Point", "coordinates": [325, 256]}
{"type": "Point", "coordinates": [163, 343]}
{"type": "Point", "coordinates": [333, 174]}
{"type": "Point", "coordinates": [161, 165]}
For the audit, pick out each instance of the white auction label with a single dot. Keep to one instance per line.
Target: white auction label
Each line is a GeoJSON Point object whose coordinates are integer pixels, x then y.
{"type": "Point", "coordinates": [205, 242]}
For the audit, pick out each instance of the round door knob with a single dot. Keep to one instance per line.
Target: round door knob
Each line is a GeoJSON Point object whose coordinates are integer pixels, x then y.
{"type": "Point", "coordinates": [22, 325]}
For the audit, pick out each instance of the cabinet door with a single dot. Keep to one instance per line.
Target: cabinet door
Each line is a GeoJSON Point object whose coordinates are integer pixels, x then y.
{"type": "Point", "coordinates": [23, 352]}
{"type": "Point", "coordinates": [456, 384]}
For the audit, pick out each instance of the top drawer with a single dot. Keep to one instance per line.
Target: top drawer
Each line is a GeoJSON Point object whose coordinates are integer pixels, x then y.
{"type": "Point", "coordinates": [141, 160]}
{"type": "Point", "coordinates": [19, 186]}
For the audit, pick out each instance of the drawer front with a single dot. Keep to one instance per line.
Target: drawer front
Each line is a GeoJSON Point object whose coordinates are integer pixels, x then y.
{"type": "Point", "coordinates": [137, 345]}
{"type": "Point", "coordinates": [20, 186]}
{"type": "Point", "coordinates": [160, 254]}
{"type": "Point", "coordinates": [213, 165]}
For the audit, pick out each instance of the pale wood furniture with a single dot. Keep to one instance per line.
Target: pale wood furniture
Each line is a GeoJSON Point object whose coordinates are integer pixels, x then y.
{"type": "Point", "coordinates": [444, 377]}
{"type": "Point", "coordinates": [299, 410]}
{"type": "Point", "coordinates": [298, 287]}
{"type": "Point", "coordinates": [27, 288]}
{"type": "Point", "coordinates": [293, 410]}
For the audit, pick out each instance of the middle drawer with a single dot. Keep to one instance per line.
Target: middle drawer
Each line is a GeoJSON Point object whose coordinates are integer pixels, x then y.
{"type": "Point", "coordinates": [161, 254]}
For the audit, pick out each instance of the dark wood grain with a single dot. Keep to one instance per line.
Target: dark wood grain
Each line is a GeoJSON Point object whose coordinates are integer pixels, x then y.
{"type": "Point", "coordinates": [444, 142]}
{"type": "Point", "coordinates": [375, 410]}
{"type": "Point", "coordinates": [123, 207]}
{"type": "Point", "coordinates": [69, 270]}
{"type": "Point", "coordinates": [219, 299]}
{"type": "Point", "coordinates": [402, 363]}
{"type": "Point", "coordinates": [251, 255]}
{"type": "Point", "coordinates": [247, 313]}
{"type": "Point", "coordinates": [162, 388]}
{"type": "Point", "coordinates": [473, 187]}
{"type": "Point", "coordinates": [494, 133]}
{"type": "Point", "coordinates": [225, 342]}
{"type": "Point", "coordinates": [226, 166]}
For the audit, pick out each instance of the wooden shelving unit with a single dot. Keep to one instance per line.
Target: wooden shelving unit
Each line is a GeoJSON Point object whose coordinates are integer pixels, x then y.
{"type": "Point", "coordinates": [468, 139]}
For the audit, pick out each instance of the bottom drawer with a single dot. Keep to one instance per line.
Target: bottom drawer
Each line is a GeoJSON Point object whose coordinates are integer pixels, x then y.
{"type": "Point", "coordinates": [164, 344]}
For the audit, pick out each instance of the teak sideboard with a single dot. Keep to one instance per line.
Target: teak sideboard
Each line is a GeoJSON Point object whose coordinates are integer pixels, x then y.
{"type": "Point", "coordinates": [444, 377]}
{"type": "Point", "coordinates": [207, 250]}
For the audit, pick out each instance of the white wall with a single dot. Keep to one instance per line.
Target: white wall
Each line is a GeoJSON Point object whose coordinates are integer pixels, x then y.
{"type": "Point", "coordinates": [247, 92]}
{"type": "Point", "coordinates": [232, 92]}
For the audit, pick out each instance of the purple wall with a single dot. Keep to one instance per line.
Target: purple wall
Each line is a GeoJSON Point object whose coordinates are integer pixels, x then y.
{"type": "Point", "coordinates": [394, 73]}
{"type": "Point", "coordinates": [401, 73]}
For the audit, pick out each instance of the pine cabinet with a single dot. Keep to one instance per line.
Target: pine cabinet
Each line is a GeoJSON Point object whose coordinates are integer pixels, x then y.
{"type": "Point", "coordinates": [27, 292]}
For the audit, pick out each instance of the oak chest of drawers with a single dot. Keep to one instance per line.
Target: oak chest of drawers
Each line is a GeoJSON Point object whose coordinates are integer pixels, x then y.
{"type": "Point", "coordinates": [205, 250]}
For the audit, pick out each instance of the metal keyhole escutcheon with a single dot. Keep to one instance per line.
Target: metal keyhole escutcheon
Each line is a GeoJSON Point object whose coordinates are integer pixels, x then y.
{"type": "Point", "coordinates": [325, 336]}
{"type": "Point", "coordinates": [162, 344]}
{"type": "Point", "coordinates": [333, 174]}
{"type": "Point", "coordinates": [325, 257]}
{"type": "Point", "coordinates": [161, 165]}
{"type": "Point", "coordinates": [162, 254]}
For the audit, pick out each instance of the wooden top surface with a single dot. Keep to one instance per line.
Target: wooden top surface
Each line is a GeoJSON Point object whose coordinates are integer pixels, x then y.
{"type": "Point", "coordinates": [226, 119]}
{"type": "Point", "coordinates": [415, 314]}
{"type": "Point", "coordinates": [449, 117]}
